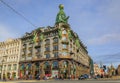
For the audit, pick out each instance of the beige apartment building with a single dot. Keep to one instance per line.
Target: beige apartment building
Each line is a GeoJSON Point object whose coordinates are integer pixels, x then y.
{"type": "Point", "coordinates": [96, 69]}
{"type": "Point", "coordinates": [9, 58]}
{"type": "Point", "coordinates": [118, 69]}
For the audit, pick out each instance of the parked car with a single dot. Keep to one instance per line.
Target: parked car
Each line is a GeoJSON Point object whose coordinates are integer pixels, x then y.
{"type": "Point", "coordinates": [86, 76]}
{"type": "Point", "coordinates": [97, 76]}
{"type": "Point", "coordinates": [82, 77]}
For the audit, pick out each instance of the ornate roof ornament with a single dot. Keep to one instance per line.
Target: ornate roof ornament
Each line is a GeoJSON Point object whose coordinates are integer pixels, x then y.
{"type": "Point", "coordinates": [61, 17]}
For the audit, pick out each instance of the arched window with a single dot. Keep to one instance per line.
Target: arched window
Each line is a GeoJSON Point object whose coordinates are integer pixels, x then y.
{"type": "Point", "coordinates": [64, 46]}
{"type": "Point", "coordinates": [37, 65]}
{"type": "Point", "coordinates": [56, 54]}
{"type": "Point", "coordinates": [64, 38]}
{"type": "Point", "coordinates": [22, 67]}
{"type": "Point", "coordinates": [47, 56]}
{"type": "Point", "coordinates": [55, 47]}
{"type": "Point", "coordinates": [47, 69]}
{"type": "Point", "coordinates": [47, 48]}
{"type": "Point", "coordinates": [46, 65]}
{"type": "Point", "coordinates": [65, 64]}
{"type": "Point", "coordinates": [55, 65]}
{"type": "Point", "coordinates": [55, 39]}
{"type": "Point", "coordinates": [28, 66]}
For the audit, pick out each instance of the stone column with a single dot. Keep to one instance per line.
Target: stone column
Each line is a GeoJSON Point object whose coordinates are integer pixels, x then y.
{"type": "Point", "coordinates": [42, 71]}
{"type": "Point", "coordinates": [60, 69]}
{"type": "Point", "coordinates": [33, 70]}
{"type": "Point", "coordinates": [81, 70]}
{"type": "Point", "coordinates": [19, 71]}
{"type": "Point", "coordinates": [25, 71]}
{"type": "Point", "coordinates": [77, 71]}
{"type": "Point", "coordinates": [50, 67]}
{"type": "Point", "coordinates": [69, 70]}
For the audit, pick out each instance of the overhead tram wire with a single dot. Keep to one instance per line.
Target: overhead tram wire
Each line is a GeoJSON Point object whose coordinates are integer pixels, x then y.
{"type": "Point", "coordinates": [18, 13]}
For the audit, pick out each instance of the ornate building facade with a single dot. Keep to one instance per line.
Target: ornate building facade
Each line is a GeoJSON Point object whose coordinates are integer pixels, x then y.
{"type": "Point", "coordinates": [9, 58]}
{"type": "Point", "coordinates": [53, 51]}
{"type": "Point", "coordinates": [118, 70]}
{"type": "Point", "coordinates": [111, 70]}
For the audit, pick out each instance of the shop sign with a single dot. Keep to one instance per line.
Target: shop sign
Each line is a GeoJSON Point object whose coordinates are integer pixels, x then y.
{"type": "Point", "coordinates": [54, 73]}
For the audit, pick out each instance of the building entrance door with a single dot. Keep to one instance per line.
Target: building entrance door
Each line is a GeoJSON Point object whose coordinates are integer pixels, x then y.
{"type": "Point", "coordinates": [65, 74]}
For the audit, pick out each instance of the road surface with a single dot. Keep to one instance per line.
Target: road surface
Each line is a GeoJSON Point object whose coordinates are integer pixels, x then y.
{"type": "Point", "coordinates": [64, 81]}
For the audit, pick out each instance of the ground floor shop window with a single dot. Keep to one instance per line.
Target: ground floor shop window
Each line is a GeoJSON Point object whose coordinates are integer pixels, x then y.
{"type": "Point", "coordinates": [37, 70]}
{"type": "Point", "coordinates": [55, 65]}
{"type": "Point", "coordinates": [8, 75]}
{"type": "Point", "coordinates": [14, 75]}
{"type": "Point", "coordinates": [47, 69]}
{"type": "Point", "coordinates": [22, 72]}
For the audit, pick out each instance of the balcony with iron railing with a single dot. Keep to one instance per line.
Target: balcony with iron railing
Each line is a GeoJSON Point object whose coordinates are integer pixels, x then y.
{"type": "Point", "coordinates": [55, 42]}
{"type": "Point", "coordinates": [65, 49]}
{"type": "Point", "coordinates": [47, 44]}
{"type": "Point", "coordinates": [29, 48]}
{"type": "Point", "coordinates": [47, 51]}
{"type": "Point", "coordinates": [55, 50]}
{"type": "Point", "coordinates": [29, 54]}
{"type": "Point", "coordinates": [65, 42]}
{"type": "Point", "coordinates": [30, 45]}
{"type": "Point", "coordinates": [37, 45]}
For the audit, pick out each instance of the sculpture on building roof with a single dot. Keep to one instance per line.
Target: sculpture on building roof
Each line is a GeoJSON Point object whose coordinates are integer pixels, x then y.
{"type": "Point", "coordinates": [37, 35]}
{"type": "Point", "coordinates": [77, 42]}
{"type": "Point", "coordinates": [61, 17]}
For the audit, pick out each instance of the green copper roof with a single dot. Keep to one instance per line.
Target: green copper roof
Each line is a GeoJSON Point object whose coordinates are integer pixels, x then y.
{"type": "Point", "coordinates": [61, 17]}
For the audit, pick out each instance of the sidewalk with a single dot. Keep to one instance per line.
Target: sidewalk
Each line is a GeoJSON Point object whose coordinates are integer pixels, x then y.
{"type": "Point", "coordinates": [100, 79]}
{"type": "Point", "coordinates": [15, 81]}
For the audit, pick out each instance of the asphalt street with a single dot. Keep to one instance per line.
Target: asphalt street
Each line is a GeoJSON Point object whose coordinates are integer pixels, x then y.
{"type": "Point", "coordinates": [67, 81]}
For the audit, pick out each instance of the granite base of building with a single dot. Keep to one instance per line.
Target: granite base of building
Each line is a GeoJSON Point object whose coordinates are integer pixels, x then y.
{"type": "Point", "coordinates": [51, 68]}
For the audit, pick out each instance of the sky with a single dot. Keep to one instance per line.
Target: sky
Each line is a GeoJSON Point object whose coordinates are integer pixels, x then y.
{"type": "Point", "coordinates": [97, 23]}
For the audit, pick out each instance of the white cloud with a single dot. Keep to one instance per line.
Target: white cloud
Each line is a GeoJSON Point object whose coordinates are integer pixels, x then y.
{"type": "Point", "coordinates": [107, 38]}
{"type": "Point", "coordinates": [5, 33]}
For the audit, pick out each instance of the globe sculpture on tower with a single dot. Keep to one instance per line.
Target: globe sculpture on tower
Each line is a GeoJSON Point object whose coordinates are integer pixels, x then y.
{"type": "Point", "coordinates": [61, 17]}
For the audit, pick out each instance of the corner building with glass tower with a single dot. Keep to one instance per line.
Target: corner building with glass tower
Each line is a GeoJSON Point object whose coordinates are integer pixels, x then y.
{"type": "Point", "coordinates": [53, 51]}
